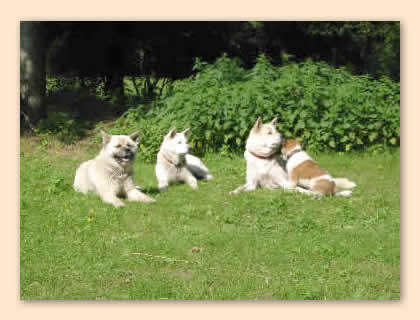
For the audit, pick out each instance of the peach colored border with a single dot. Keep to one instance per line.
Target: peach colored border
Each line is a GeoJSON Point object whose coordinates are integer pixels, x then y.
{"type": "Point", "coordinates": [14, 11]}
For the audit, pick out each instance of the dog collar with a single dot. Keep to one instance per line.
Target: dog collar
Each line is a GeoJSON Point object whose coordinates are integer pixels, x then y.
{"type": "Point", "coordinates": [261, 157]}
{"type": "Point", "coordinates": [177, 165]}
{"type": "Point", "coordinates": [292, 153]}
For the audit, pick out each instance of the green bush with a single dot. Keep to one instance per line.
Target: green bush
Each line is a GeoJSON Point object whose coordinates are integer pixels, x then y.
{"type": "Point", "coordinates": [327, 108]}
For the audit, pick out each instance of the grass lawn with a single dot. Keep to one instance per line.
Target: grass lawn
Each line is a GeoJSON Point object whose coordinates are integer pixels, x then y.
{"type": "Point", "coordinates": [263, 245]}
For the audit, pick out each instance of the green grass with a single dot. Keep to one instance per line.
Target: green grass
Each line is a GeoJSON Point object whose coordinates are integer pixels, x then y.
{"type": "Point", "coordinates": [264, 245]}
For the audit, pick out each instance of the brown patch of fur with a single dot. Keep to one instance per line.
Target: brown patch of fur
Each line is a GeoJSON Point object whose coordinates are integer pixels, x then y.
{"type": "Point", "coordinates": [289, 144]}
{"type": "Point", "coordinates": [307, 170]}
{"type": "Point", "coordinates": [325, 187]}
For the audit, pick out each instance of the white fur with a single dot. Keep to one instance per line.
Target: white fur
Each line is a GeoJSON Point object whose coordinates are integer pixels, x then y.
{"type": "Point", "coordinates": [268, 172]}
{"type": "Point", "coordinates": [296, 160]}
{"type": "Point", "coordinates": [323, 177]}
{"type": "Point", "coordinates": [175, 165]}
{"type": "Point", "coordinates": [109, 178]}
{"type": "Point", "coordinates": [300, 157]}
{"type": "Point", "coordinates": [344, 183]}
{"type": "Point", "coordinates": [344, 193]}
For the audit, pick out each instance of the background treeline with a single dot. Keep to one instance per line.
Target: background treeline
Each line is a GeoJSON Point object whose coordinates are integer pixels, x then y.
{"type": "Point", "coordinates": [87, 70]}
{"type": "Point", "coordinates": [168, 49]}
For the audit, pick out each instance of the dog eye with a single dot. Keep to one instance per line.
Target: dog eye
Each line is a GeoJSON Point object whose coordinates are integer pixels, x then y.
{"type": "Point", "coordinates": [118, 146]}
{"type": "Point", "coordinates": [179, 142]}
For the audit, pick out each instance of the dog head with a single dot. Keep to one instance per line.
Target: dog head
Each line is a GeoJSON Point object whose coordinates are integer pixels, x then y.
{"type": "Point", "coordinates": [264, 138]}
{"type": "Point", "coordinates": [121, 148]}
{"type": "Point", "coordinates": [290, 145]}
{"type": "Point", "coordinates": [176, 143]}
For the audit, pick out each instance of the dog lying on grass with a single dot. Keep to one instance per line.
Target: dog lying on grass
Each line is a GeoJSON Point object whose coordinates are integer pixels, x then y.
{"type": "Point", "coordinates": [175, 165]}
{"type": "Point", "coordinates": [265, 165]}
{"type": "Point", "coordinates": [303, 171]}
{"type": "Point", "coordinates": [110, 174]}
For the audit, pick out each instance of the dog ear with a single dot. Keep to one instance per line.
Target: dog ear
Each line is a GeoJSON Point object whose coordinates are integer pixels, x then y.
{"type": "Point", "coordinates": [135, 136]}
{"type": "Point", "coordinates": [171, 133]}
{"type": "Point", "coordinates": [257, 124]}
{"type": "Point", "coordinates": [105, 137]}
{"type": "Point", "coordinates": [186, 132]}
{"type": "Point", "coordinates": [274, 121]}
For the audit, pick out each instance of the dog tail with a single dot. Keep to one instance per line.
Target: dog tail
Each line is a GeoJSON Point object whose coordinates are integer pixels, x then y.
{"type": "Point", "coordinates": [344, 193]}
{"type": "Point", "coordinates": [197, 167]}
{"type": "Point", "coordinates": [344, 183]}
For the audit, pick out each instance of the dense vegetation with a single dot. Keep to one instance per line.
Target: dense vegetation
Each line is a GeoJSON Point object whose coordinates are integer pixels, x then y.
{"type": "Point", "coordinates": [328, 108]}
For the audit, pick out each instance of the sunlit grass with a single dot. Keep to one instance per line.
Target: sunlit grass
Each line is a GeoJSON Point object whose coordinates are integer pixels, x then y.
{"type": "Point", "coordinates": [260, 245]}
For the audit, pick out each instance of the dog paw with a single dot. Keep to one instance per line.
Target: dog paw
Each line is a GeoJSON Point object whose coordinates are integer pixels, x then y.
{"type": "Point", "coordinates": [193, 186]}
{"type": "Point", "coordinates": [163, 189]}
{"type": "Point", "coordinates": [352, 185]}
{"type": "Point", "coordinates": [149, 200]}
{"type": "Point", "coordinates": [209, 177]}
{"type": "Point", "coordinates": [344, 193]}
{"type": "Point", "coordinates": [118, 204]}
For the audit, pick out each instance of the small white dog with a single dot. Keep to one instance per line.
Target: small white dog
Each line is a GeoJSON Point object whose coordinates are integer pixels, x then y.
{"type": "Point", "coordinates": [110, 174]}
{"type": "Point", "coordinates": [175, 165]}
{"type": "Point", "coordinates": [305, 172]}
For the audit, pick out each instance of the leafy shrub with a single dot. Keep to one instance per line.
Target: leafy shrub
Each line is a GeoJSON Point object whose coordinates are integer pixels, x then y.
{"type": "Point", "coordinates": [63, 125]}
{"type": "Point", "coordinates": [327, 108]}
{"type": "Point", "coordinates": [93, 85]}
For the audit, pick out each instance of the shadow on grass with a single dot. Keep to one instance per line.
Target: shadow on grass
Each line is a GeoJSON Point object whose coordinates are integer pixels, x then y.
{"type": "Point", "coordinates": [72, 113]}
{"type": "Point", "coordinates": [83, 104]}
{"type": "Point", "coordinates": [151, 190]}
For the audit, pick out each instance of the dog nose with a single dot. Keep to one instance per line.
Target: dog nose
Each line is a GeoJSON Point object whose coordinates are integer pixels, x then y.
{"type": "Point", "coordinates": [128, 150]}
{"type": "Point", "coordinates": [189, 146]}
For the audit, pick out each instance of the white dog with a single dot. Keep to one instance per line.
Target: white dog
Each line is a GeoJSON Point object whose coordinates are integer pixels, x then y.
{"type": "Point", "coordinates": [264, 165]}
{"type": "Point", "coordinates": [110, 174]}
{"type": "Point", "coordinates": [175, 165]}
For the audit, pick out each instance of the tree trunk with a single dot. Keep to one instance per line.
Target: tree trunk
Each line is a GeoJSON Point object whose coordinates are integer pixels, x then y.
{"type": "Point", "coordinates": [114, 86]}
{"type": "Point", "coordinates": [33, 53]}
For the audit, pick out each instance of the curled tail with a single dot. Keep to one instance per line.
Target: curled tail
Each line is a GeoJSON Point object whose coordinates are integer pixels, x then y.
{"type": "Point", "coordinates": [197, 167]}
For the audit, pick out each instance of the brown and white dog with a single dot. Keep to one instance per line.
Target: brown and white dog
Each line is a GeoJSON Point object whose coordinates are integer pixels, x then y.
{"type": "Point", "coordinates": [303, 171]}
